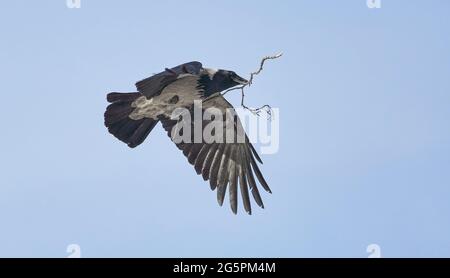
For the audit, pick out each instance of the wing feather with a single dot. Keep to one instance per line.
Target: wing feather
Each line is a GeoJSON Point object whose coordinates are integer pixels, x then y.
{"type": "Point", "coordinates": [193, 154]}
{"type": "Point", "coordinates": [233, 189]}
{"type": "Point", "coordinates": [251, 181]}
{"type": "Point", "coordinates": [208, 161]}
{"type": "Point", "coordinates": [153, 85]}
{"type": "Point", "coordinates": [214, 172]}
{"type": "Point", "coordinates": [258, 174]}
{"type": "Point", "coordinates": [226, 165]}
{"type": "Point", "coordinates": [244, 190]}
{"type": "Point", "coordinates": [201, 158]}
{"type": "Point", "coordinates": [223, 168]}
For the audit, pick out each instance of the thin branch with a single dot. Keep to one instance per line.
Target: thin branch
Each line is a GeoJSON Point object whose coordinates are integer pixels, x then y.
{"type": "Point", "coordinates": [250, 81]}
{"type": "Point", "coordinates": [266, 107]}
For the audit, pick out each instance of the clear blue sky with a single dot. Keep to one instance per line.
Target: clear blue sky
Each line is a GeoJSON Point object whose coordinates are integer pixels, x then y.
{"type": "Point", "coordinates": [364, 98]}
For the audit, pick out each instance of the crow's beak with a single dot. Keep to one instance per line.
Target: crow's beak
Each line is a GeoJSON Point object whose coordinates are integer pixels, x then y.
{"type": "Point", "coordinates": [239, 80]}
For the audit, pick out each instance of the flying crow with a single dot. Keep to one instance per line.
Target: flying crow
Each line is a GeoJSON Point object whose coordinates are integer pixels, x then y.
{"type": "Point", "coordinates": [228, 163]}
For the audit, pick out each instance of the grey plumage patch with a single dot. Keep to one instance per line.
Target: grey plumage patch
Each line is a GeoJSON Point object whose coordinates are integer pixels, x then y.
{"type": "Point", "coordinates": [180, 93]}
{"type": "Point", "coordinates": [210, 72]}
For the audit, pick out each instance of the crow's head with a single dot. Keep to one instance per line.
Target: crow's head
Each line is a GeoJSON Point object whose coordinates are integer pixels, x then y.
{"type": "Point", "coordinates": [220, 80]}
{"type": "Point", "coordinates": [227, 79]}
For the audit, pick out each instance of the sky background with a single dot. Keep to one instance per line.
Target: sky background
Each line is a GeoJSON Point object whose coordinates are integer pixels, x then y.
{"type": "Point", "coordinates": [363, 94]}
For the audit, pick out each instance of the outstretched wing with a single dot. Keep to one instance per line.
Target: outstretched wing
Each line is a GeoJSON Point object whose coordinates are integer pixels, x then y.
{"type": "Point", "coordinates": [225, 164]}
{"type": "Point", "coordinates": [153, 85]}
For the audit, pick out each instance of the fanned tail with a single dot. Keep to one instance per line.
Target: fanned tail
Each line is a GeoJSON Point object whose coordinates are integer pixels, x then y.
{"type": "Point", "coordinates": [117, 120]}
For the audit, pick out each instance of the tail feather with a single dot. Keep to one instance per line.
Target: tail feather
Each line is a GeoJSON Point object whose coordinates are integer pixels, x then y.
{"type": "Point", "coordinates": [116, 112]}
{"type": "Point", "coordinates": [117, 120]}
{"type": "Point", "coordinates": [122, 97]}
{"type": "Point", "coordinates": [141, 132]}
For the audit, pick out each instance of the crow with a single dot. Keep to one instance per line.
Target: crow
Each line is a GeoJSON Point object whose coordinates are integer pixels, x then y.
{"type": "Point", "coordinates": [130, 117]}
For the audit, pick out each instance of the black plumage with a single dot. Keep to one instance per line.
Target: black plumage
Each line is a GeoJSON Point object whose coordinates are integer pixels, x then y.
{"type": "Point", "coordinates": [227, 165]}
